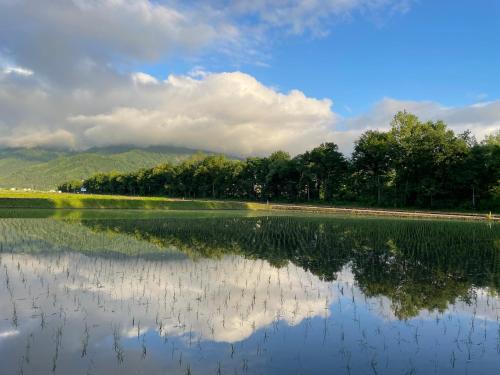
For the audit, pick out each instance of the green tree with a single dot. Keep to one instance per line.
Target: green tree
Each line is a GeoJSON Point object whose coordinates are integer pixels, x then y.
{"type": "Point", "coordinates": [330, 168]}
{"type": "Point", "coordinates": [372, 162]}
{"type": "Point", "coordinates": [278, 178]}
{"type": "Point", "coordinates": [426, 158]}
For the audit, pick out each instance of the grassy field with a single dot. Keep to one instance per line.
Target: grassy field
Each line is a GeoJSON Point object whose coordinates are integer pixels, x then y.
{"type": "Point", "coordinates": [15, 200]}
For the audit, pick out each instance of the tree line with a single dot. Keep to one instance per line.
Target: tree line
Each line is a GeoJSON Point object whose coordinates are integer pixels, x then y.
{"type": "Point", "coordinates": [414, 164]}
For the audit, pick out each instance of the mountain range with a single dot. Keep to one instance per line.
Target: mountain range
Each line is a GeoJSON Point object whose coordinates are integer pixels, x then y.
{"type": "Point", "coordinates": [45, 169]}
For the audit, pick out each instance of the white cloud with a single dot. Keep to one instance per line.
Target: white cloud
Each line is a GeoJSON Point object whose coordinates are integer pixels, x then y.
{"type": "Point", "coordinates": [33, 137]}
{"type": "Point", "coordinates": [17, 70]}
{"type": "Point", "coordinates": [72, 41]}
{"type": "Point", "coordinates": [143, 79]}
{"type": "Point", "coordinates": [226, 112]}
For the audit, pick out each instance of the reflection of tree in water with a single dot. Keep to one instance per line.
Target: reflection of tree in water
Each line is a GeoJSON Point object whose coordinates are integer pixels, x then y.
{"type": "Point", "coordinates": [417, 264]}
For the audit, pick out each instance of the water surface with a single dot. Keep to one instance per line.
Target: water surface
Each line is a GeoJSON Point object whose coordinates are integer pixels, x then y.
{"type": "Point", "coordinates": [224, 293]}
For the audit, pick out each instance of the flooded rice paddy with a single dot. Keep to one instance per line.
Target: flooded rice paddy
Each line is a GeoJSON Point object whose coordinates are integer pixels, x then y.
{"type": "Point", "coordinates": [231, 294]}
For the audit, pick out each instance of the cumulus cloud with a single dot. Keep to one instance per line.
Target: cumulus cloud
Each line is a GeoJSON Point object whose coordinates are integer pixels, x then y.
{"type": "Point", "coordinates": [227, 112]}
{"type": "Point", "coordinates": [66, 41]}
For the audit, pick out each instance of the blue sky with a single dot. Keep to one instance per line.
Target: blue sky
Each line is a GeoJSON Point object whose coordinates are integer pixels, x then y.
{"type": "Point", "coordinates": [446, 51]}
{"type": "Point", "coordinates": [242, 77]}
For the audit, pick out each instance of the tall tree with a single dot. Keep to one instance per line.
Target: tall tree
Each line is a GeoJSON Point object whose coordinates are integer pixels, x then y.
{"type": "Point", "coordinates": [426, 155]}
{"type": "Point", "coordinates": [372, 161]}
{"type": "Point", "coordinates": [330, 168]}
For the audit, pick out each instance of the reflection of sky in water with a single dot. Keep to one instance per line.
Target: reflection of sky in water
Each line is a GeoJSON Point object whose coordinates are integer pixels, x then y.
{"type": "Point", "coordinates": [71, 313]}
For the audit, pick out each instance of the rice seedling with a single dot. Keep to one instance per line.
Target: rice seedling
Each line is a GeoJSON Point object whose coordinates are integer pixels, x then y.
{"type": "Point", "coordinates": [327, 295]}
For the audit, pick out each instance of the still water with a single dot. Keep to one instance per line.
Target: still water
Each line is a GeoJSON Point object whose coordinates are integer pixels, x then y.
{"type": "Point", "coordinates": [231, 294]}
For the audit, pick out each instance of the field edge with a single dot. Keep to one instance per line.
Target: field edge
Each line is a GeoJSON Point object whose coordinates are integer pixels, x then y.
{"type": "Point", "coordinates": [45, 200]}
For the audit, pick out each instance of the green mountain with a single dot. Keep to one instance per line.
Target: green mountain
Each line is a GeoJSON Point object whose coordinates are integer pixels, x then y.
{"type": "Point", "coordinates": [44, 169]}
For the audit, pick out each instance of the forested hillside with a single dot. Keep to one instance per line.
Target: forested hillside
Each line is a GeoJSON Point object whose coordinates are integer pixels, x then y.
{"type": "Point", "coordinates": [46, 169]}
